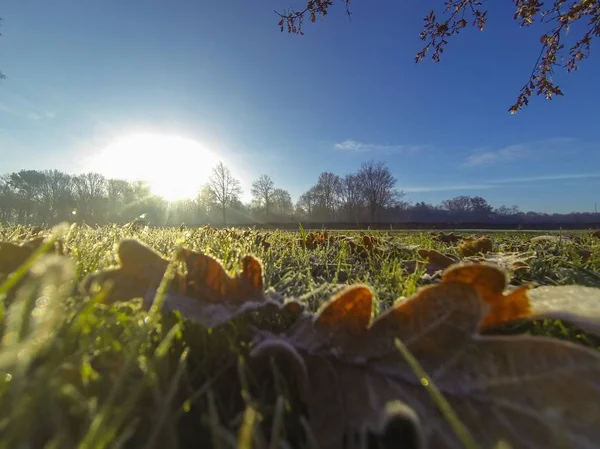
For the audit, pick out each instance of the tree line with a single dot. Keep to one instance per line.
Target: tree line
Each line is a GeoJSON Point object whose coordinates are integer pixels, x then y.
{"type": "Point", "coordinates": [368, 196]}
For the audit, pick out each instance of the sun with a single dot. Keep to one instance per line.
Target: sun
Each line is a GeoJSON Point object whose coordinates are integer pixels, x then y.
{"type": "Point", "coordinates": [174, 167]}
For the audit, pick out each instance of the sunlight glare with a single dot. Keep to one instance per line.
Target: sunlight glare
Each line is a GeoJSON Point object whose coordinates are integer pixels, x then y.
{"type": "Point", "coordinates": [174, 167]}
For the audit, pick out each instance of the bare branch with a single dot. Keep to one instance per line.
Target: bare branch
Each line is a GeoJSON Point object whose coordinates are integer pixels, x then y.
{"type": "Point", "coordinates": [559, 14]}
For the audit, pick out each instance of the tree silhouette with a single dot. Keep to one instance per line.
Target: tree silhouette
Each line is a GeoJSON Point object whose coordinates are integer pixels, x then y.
{"type": "Point", "coordinates": [282, 202]}
{"type": "Point", "coordinates": [378, 185]}
{"type": "Point", "coordinates": [225, 188]}
{"type": "Point", "coordinates": [32, 197]}
{"type": "Point", "coordinates": [353, 199]}
{"type": "Point", "coordinates": [262, 191]}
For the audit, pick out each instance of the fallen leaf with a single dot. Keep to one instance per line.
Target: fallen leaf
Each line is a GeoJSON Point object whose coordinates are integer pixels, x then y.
{"type": "Point", "coordinates": [550, 239]}
{"type": "Point", "coordinates": [531, 392]}
{"type": "Point", "coordinates": [573, 303]}
{"type": "Point", "coordinates": [584, 253]}
{"type": "Point", "coordinates": [211, 315]}
{"type": "Point", "coordinates": [437, 260]}
{"type": "Point", "coordinates": [435, 263]}
{"type": "Point", "coordinates": [366, 247]}
{"type": "Point", "coordinates": [490, 283]}
{"type": "Point", "coordinates": [207, 279]}
{"type": "Point", "coordinates": [450, 238]}
{"type": "Point", "coordinates": [261, 240]}
{"type": "Point", "coordinates": [316, 239]}
{"type": "Point", "coordinates": [140, 273]}
{"type": "Point", "coordinates": [475, 245]}
{"type": "Point", "coordinates": [13, 255]}
{"type": "Point", "coordinates": [206, 294]}
{"type": "Point", "coordinates": [511, 262]}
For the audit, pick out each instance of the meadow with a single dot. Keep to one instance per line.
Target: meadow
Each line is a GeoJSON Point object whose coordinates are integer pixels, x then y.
{"type": "Point", "coordinates": [140, 337]}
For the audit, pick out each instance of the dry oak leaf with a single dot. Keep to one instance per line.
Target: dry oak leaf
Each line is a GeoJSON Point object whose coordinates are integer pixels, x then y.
{"type": "Point", "coordinates": [584, 253]}
{"type": "Point", "coordinates": [573, 303]}
{"type": "Point", "coordinates": [365, 247]}
{"type": "Point", "coordinates": [436, 262]}
{"type": "Point", "coordinates": [13, 255]}
{"type": "Point", "coordinates": [532, 392]}
{"type": "Point", "coordinates": [551, 239]}
{"type": "Point", "coordinates": [450, 238]}
{"type": "Point", "coordinates": [206, 294]}
{"type": "Point", "coordinates": [475, 245]}
{"type": "Point", "coordinates": [211, 297]}
{"type": "Point", "coordinates": [139, 274]}
{"type": "Point", "coordinates": [316, 239]}
{"type": "Point", "coordinates": [511, 262]}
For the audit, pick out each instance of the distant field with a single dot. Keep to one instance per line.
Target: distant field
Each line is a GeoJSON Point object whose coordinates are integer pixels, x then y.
{"type": "Point", "coordinates": [89, 368]}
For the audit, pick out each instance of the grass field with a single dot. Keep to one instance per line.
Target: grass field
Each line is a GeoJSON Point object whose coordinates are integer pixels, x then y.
{"type": "Point", "coordinates": [83, 369]}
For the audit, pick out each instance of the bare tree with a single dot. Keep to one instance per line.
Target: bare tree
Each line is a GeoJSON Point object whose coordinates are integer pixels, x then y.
{"type": "Point", "coordinates": [327, 194]}
{"type": "Point", "coordinates": [91, 195]}
{"type": "Point", "coordinates": [306, 202]}
{"type": "Point", "coordinates": [262, 191]}
{"type": "Point", "coordinates": [378, 186]}
{"type": "Point", "coordinates": [57, 195]}
{"type": "Point", "coordinates": [467, 207]}
{"type": "Point", "coordinates": [225, 188]}
{"type": "Point", "coordinates": [27, 186]}
{"type": "Point", "coordinates": [459, 205]}
{"type": "Point", "coordinates": [560, 16]}
{"type": "Point", "coordinates": [352, 196]}
{"type": "Point", "coordinates": [282, 202]}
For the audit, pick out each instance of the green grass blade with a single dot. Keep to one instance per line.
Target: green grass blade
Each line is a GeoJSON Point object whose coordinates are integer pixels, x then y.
{"type": "Point", "coordinates": [444, 407]}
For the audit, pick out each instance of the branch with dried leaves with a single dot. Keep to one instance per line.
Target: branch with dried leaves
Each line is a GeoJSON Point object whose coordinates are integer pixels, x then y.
{"type": "Point", "coordinates": [560, 15]}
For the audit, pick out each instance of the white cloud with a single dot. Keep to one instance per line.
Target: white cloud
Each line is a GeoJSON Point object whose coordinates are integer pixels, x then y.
{"type": "Point", "coordinates": [359, 147]}
{"type": "Point", "coordinates": [29, 114]}
{"type": "Point", "coordinates": [443, 188]}
{"type": "Point", "coordinates": [499, 182]}
{"type": "Point", "coordinates": [516, 152]}
{"type": "Point", "coordinates": [507, 154]}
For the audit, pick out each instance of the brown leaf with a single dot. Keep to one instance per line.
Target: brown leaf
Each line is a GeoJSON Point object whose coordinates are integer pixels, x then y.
{"type": "Point", "coordinates": [436, 262]}
{"type": "Point", "coordinates": [13, 255]}
{"type": "Point", "coordinates": [551, 239]}
{"type": "Point", "coordinates": [584, 253]}
{"type": "Point", "coordinates": [490, 283]}
{"type": "Point", "coordinates": [574, 303]}
{"type": "Point", "coordinates": [206, 294]}
{"type": "Point", "coordinates": [139, 274]}
{"type": "Point", "coordinates": [475, 245]}
{"type": "Point", "coordinates": [366, 247]}
{"type": "Point", "coordinates": [213, 314]}
{"type": "Point", "coordinates": [511, 262]}
{"type": "Point", "coordinates": [529, 391]}
{"type": "Point", "coordinates": [316, 239]}
{"type": "Point", "coordinates": [350, 310]}
{"type": "Point", "coordinates": [207, 279]}
{"type": "Point", "coordinates": [450, 238]}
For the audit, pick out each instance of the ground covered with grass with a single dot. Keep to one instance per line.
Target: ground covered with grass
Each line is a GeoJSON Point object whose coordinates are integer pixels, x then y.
{"type": "Point", "coordinates": [241, 365]}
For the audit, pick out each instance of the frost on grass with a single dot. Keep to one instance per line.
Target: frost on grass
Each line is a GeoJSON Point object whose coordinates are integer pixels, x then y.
{"type": "Point", "coordinates": [205, 293]}
{"type": "Point", "coordinates": [356, 387]}
{"type": "Point", "coordinates": [530, 391]}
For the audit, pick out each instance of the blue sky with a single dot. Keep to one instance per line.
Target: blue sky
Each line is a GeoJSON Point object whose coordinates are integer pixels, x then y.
{"type": "Point", "coordinates": [84, 74]}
